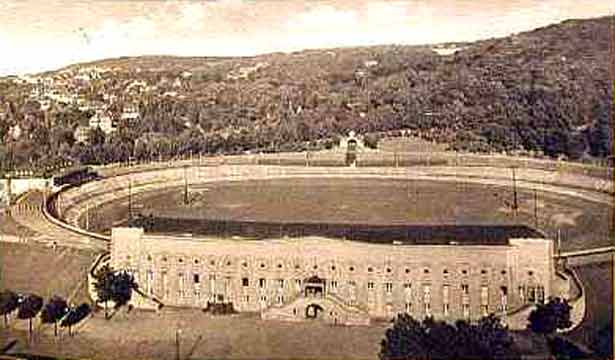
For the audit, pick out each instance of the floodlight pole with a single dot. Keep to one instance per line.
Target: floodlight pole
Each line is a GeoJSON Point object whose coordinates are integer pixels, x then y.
{"type": "Point", "coordinates": [130, 201]}
{"type": "Point", "coordinates": [185, 185]}
{"type": "Point", "coordinates": [559, 242]}
{"type": "Point", "coordinates": [535, 209]}
{"type": "Point", "coordinates": [515, 201]}
{"type": "Point", "coordinates": [177, 334]}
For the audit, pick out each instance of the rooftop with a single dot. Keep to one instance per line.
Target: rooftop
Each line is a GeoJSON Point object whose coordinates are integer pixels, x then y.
{"type": "Point", "coordinates": [446, 234]}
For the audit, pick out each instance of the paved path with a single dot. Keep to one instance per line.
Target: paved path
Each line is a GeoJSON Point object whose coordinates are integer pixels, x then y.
{"type": "Point", "coordinates": [587, 252]}
{"type": "Point", "coordinates": [28, 212]}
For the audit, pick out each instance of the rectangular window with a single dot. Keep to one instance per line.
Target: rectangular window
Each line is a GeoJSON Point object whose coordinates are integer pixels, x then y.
{"type": "Point", "coordinates": [150, 282]}
{"type": "Point", "coordinates": [531, 294]}
{"type": "Point", "coordinates": [446, 308]}
{"type": "Point", "coordinates": [181, 284]}
{"type": "Point", "coordinates": [280, 299]}
{"type": "Point", "coordinates": [370, 285]}
{"type": "Point", "coordinates": [465, 309]}
{"type": "Point", "coordinates": [281, 283]}
{"type": "Point", "coordinates": [246, 298]}
{"type": "Point", "coordinates": [504, 298]}
{"type": "Point", "coordinates": [408, 307]}
{"type": "Point", "coordinates": [245, 282]}
{"type": "Point", "coordinates": [388, 287]}
{"type": "Point", "coordinates": [408, 291]}
{"type": "Point", "coordinates": [262, 283]}
{"type": "Point", "coordinates": [333, 285]}
{"type": "Point", "coordinates": [484, 295]}
{"type": "Point", "coordinates": [197, 294]}
{"type": "Point", "coordinates": [426, 293]}
{"type": "Point", "coordinates": [427, 298]}
{"type": "Point", "coordinates": [197, 279]}
{"type": "Point", "coordinates": [465, 289]}
{"type": "Point", "coordinates": [540, 294]}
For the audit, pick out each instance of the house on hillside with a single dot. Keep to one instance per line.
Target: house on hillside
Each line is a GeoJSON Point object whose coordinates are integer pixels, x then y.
{"type": "Point", "coordinates": [129, 113]}
{"type": "Point", "coordinates": [82, 134]}
{"type": "Point", "coordinates": [15, 132]}
{"type": "Point", "coordinates": [103, 120]}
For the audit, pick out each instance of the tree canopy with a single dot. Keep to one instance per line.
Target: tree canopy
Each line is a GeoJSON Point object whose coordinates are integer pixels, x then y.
{"type": "Point", "coordinates": [29, 307]}
{"type": "Point", "coordinates": [9, 301]}
{"type": "Point", "coordinates": [75, 315]}
{"type": "Point", "coordinates": [53, 311]}
{"type": "Point", "coordinates": [544, 91]}
{"type": "Point", "coordinates": [431, 339]}
{"type": "Point", "coordinates": [549, 317]}
{"type": "Point", "coordinates": [116, 286]}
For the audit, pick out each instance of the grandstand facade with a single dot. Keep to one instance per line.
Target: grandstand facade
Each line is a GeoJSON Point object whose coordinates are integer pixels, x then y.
{"type": "Point", "coordinates": [336, 280]}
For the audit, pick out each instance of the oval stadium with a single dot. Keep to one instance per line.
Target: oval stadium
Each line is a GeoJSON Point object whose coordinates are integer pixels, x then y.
{"type": "Point", "coordinates": [344, 245]}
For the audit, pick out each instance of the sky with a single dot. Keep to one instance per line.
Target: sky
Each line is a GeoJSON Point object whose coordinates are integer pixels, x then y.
{"type": "Point", "coordinates": [38, 35]}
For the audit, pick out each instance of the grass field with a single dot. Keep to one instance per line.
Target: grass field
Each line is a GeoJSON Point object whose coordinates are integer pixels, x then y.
{"type": "Point", "coordinates": [597, 279]}
{"type": "Point", "coordinates": [32, 268]}
{"type": "Point", "coordinates": [582, 224]}
{"type": "Point", "coordinates": [149, 335]}
{"type": "Point", "coordinates": [8, 226]}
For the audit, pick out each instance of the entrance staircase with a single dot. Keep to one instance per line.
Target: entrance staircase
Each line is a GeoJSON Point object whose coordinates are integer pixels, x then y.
{"type": "Point", "coordinates": [334, 310]}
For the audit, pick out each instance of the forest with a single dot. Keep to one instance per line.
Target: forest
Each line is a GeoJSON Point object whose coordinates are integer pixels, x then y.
{"type": "Point", "coordinates": [545, 93]}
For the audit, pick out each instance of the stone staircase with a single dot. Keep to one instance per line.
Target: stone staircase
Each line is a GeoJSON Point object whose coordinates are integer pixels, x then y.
{"type": "Point", "coordinates": [331, 309]}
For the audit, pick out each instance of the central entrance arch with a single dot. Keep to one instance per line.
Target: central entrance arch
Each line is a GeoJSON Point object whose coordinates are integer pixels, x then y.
{"type": "Point", "coordinates": [312, 311]}
{"type": "Point", "coordinates": [351, 152]}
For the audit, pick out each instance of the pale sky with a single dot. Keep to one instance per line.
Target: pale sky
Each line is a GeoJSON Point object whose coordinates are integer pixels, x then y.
{"type": "Point", "coordinates": [37, 35]}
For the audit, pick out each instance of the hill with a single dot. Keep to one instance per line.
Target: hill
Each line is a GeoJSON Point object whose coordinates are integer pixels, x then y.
{"type": "Point", "coordinates": [544, 91]}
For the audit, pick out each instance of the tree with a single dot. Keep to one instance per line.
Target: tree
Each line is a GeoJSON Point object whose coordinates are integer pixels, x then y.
{"type": "Point", "coordinates": [96, 136]}
{"type": "Point", "coordinates": [122, 285]}
{"type": "Point", "coordinates": [54, 311]}
{"type": "Point", "coordinates": [114, 286]}
{"type": "Point", "coordinates": [29, 307]}
{"type": "Point", "coordinates": [601, 132]}
{"type": "Point", "coordinates": [547, 318]}
{"type": "Point", "coordinates": [9, 301]}
{"type": "Point", "coordinates": [430, 339]}
{"type": "Point", "coordinates": [74, 316]}
{"type": "Point", "coordinates": [103, 285]}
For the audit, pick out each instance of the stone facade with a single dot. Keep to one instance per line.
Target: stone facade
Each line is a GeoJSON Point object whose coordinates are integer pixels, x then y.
{"type": "Point", "coordinates": [340, 281]}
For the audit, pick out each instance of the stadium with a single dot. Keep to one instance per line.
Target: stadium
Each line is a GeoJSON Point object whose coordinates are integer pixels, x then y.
{"type": "Point", "coordinates": [346, 245]}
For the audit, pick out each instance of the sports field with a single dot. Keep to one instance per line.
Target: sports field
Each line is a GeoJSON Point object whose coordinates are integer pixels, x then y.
{"type": "Point", "coordinates": [581, 223]}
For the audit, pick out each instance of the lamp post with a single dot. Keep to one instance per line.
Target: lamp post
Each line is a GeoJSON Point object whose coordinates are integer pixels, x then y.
{"type": "Point", "coordinates": [178, 333]}
{"type": "Point", "coordinates": [185, 185]}
{"type": "Point", "coordinates": [515, 204]}
{"type": "Point", "coordinates": [129, 201]}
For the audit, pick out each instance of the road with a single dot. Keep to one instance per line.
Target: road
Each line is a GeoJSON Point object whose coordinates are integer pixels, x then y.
{"type": "Point", "coordinates": [28, 212]}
